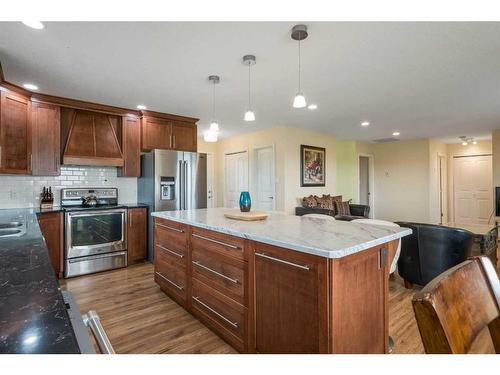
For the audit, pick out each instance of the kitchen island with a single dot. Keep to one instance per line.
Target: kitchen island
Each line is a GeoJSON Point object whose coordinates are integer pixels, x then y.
{"type": "Point", "coordinates": [286, 284]}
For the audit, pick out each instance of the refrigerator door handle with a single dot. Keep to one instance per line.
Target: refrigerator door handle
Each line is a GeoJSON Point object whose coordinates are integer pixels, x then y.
{"type": "Point", "coordinates": [181, 185]}
{"type": "Point", "coordinates": [185, 184]}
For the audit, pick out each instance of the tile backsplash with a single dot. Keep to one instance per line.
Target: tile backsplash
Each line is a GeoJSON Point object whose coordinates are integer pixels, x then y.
{"type": "Point", "coordinates": [19, 191]}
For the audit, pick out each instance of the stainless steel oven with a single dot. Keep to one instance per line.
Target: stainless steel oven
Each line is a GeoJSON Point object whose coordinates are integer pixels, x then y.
{"type": "Point", "coordinates": [96, 240]}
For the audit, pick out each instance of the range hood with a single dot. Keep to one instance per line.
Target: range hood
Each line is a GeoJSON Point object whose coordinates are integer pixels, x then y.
{"type": "Point", "coordinates": [92, 140]}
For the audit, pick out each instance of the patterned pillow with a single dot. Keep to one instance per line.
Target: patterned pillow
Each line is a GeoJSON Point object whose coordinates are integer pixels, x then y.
{"type": "Point", "coordinates": [324, 202]}
{"type": "Point", "coordinates": [337, 198]}
{"type": "Point", "coordinates": [309, 201]}
{"type": "Point", "coordinates": [343, 207]}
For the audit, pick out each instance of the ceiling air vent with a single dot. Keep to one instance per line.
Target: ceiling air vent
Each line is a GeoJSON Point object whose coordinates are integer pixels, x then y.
{"type": "Point", "coordinates": [385, 140]}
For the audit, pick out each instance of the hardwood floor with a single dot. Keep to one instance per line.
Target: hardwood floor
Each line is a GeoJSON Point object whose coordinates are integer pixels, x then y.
{"type": "Point", "coordinates": [139, 318]}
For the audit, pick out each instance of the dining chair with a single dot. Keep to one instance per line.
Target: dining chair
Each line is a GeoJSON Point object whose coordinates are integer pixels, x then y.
{"type": "Point", "coordinates": [456, 307]}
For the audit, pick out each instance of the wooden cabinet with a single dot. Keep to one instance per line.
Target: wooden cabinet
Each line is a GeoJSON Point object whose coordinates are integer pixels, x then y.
{"type": "Point", "coordinates": [137, 234]}
{"type": "Point", "coordinates": [131, 147]}
{"type": "Point", "coordinates": [184, 136]}
{"type": "Point", "coordinates": [15, 134]}
{"type": "Point", "coordinates": [161, 133]}
{"type": "Point", "coordinates": [51, 225]}
{"type": "Point", "coordinates": [45, 140]}
{"type": "Point", "coordinates": [291, 314]}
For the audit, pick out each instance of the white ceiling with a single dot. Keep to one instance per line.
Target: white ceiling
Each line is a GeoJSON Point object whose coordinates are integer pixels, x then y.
{"type": "Point", "coordinates": [422, 79]}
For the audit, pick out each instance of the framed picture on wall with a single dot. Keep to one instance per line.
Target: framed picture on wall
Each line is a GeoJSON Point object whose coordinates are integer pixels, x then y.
{"type": "Point", "coordinates": [312, 166]}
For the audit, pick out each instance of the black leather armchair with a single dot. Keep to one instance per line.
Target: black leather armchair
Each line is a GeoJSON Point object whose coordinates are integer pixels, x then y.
{"type": "Point", "coordinates": [430, 250]}
{"type": "Point", "coordinates": [358, 211]}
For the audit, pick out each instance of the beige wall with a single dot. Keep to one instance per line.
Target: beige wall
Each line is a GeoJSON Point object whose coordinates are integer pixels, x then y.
{"type": "Point", "coordinates": [496, 156]}
{"type": "Point", "coordinates": [401, 180]}
{"type": "Point", "coordinates": [286, 142]}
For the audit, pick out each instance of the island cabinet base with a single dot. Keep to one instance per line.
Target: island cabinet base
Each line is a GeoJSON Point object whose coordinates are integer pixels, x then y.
{"type": "Point", "coordinates": [267, 299]}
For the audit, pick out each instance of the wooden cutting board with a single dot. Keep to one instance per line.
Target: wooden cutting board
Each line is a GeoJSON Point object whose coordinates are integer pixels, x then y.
{"type": "Point", "coordinates": [246, 216]}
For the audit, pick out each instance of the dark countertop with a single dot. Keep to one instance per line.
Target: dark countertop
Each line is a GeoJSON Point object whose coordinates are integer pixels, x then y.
{"type": "Point", "coordinates": [33, 316]}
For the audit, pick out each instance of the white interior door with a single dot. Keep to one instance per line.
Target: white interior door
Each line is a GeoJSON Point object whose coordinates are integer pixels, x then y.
{"type": "Point", "coordinates": [473, 189]}
{"type": "Point", "coordinates": [443, 189]}
{"type": "Point", "coordinates": [210, 181]}
{"type": "Point", "coordinates": [236, 175]}
{"type": "Point", "coordinates": [264, 181]}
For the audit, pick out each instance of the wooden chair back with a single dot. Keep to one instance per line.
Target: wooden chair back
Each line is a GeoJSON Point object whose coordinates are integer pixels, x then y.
{"type": "Point", "coordinates": [455, 307]}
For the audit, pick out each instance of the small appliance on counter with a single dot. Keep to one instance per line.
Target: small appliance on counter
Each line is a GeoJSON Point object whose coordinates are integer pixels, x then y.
{"type": "Point", "coordinates": [95, 230]}
{"type": "Point", "coordinates": [46, 198]}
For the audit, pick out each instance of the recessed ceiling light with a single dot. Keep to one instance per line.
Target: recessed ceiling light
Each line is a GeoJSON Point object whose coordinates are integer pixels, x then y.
{"type": "Point", "coordinates": [34, 24]}
{"type": "Point", "coordinates": [365, 123]}
{"type": "Point", "coordinates": [30, 86]}
{"type": "Point", "coordinates": [312, 106]}
{"type": "Point", "coordinates": [141, 106]}
{"type": "Point", "coordinates": [395, 134]}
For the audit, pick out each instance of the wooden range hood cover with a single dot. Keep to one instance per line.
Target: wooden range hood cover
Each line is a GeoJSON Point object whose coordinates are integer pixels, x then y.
{"type": "Point", "coordinates": [92, 140]}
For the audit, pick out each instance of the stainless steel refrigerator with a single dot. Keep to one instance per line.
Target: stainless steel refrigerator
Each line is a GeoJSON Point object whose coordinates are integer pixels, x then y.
{"type": "Point", "coordinates": [172, 180]}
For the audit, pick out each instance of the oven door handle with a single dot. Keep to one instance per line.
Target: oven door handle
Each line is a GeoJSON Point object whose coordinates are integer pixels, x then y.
{"type": "Point", "coordinates": [98, 212]}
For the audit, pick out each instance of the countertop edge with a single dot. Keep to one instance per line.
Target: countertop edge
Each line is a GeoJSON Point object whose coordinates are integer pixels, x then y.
{"type": "Point", "coordinates": [300, 248]}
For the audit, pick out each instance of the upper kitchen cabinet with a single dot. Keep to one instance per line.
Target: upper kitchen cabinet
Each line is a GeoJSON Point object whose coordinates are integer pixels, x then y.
{"type": "Point", "coordinates": [168, 132]}
{"type": "Point", "coordinates": [15, 134]}
{"type": "Point", "coordinates": [92, 138]}
{"type": "Point", "coordinates": [46, 139]}
{"type": "Point", "coordinates": [131, 147]}
{"type": "Point", "coordinates": [184, 136]}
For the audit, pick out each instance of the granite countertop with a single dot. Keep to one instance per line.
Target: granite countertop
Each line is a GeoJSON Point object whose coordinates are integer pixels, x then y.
{"type": "Point", "coordinates": [33, 316]}
{"type": "Point", "coordinates": [317, 236]}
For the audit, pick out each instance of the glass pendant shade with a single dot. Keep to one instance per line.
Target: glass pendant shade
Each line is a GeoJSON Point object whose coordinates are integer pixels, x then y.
{"type": "Point", "coordinates": [210, 136]}
{"type": "Point", "coordinates": [214, 126]}
{"type": "Point", "coordinates": [299, 101]}
{"type": "Point", "coordinates": [249, 115]}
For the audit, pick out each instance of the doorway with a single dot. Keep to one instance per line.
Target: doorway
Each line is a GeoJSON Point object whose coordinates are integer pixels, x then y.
{"type": "Point", "coordinates": [365, 178]}
{"type": "Point", "coordinates": [473, 189]}
{"type": "Point", "coordinates": [236, 176]}
{"type": "Point", "coordinates": [264, 178]}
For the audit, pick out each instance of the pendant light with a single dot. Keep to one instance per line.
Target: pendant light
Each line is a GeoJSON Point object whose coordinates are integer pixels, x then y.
{"type": "Point", "coordinates": [249, 60]}
{"type": "Point", "coordinates": [299, 32]}
{"type": "Point", "coordinates": [211, 135]}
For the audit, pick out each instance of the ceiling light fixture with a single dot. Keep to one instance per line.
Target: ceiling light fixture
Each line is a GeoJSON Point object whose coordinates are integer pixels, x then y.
{"type": "Point", "coordinates": [474, 142]}
{"type": "Point", "coordinates": [467, 140]}
{"type": "Point", "coordinates": [312, 106]}
{"type": "Point", "coordinates": [30, 86]}
{"type": "Point", "coordinates": [299, 32]}
{"type": "Point", "coordinates": [142, 107]}
{"type": "Point", "coordinates": [211, 135]}
{"type": "Point", "coordinates": [365, 124]}
{"type": "Point", "coordinates": [249, 60]}
{"type": "Point", "coordinates": [464, 143]}
{"type": "Point", "coordinates": [395, 134]}
{"type": "Point", "coordinates": [34, 24]}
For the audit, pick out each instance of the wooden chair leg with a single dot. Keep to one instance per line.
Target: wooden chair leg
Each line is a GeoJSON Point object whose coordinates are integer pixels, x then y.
{"type": "Point", "coordinates": [408, 285]}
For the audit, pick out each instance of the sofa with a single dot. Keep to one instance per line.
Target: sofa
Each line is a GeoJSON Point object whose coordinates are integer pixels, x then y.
{"type": "Point", "coordinates": [356, 211]}
{"type": "Point", "coordinates": [430, 250]}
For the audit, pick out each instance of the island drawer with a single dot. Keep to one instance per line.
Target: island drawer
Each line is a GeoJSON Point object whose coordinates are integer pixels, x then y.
{"type": "Point", "coordinates": [171, 235]}
{"type": "Point", "coordinates": [172, 279]}
{"type": "Point", "coordinates": [177, 256]}
{"type": "Point", "coordinates": [225, 274]}
{"type": "Point", "coordinates": [218, 243]}
{"type": "Point", "coordinates": [220, 313]}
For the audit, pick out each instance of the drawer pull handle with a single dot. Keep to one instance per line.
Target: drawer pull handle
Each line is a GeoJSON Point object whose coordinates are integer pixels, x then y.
{"type": "Point", "coordinates": [197, 263]}
{"type": "Point", "coordinates": [170, 281]}
{"type": "Point", "coordinates": [215, 241]}
{"type": "Point", "coordinates": [166, 226]}
{"type": "Point", "coordinates": [307, 268]}
{"type": "Point", "coordinates": [170, 251]}
{"type": "Point", "coordinates": [234, 324]}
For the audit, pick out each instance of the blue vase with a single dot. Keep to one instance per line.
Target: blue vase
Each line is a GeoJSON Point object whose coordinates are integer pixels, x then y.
{"type": "Point", "coordinates": [245, 201]}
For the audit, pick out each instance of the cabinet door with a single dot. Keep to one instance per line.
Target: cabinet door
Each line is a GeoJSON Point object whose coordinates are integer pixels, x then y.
{"type": "Point", "coordinates": [156, 133]}
{"type": "Point", "coordinates": [46, 130]}
{"type": "Point", "coordinates": [291, 313]}
{"type": "Point", "coordinates": [137, 234]}
{"type": "Point", "coordinates": [51, 225]}
{"type": "Point", "coordinates": [184, 136]}
{"type": "Point", "coordinates": [131, 147]}
{"type": "Point", "coordinates": [15, 138]}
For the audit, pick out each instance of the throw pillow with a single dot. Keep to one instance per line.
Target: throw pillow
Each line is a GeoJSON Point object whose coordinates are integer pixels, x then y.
{"type": "Point", "coordinates": [324, 203]}
{"type": "Point", "coordinates": [309, 201]}
{"type": "Point", "coordinates": [329, 202]}
{"type": "Point", "coordinates": [343, 207]}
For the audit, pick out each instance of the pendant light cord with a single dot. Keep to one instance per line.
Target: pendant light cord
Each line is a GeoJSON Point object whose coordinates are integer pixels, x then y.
{"type": "Point", "coordinates": [249, 87]}
{"type": "Point", "coordinates": [299, 67]}
{"type": "Point", "coordinates": [213, 109]}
